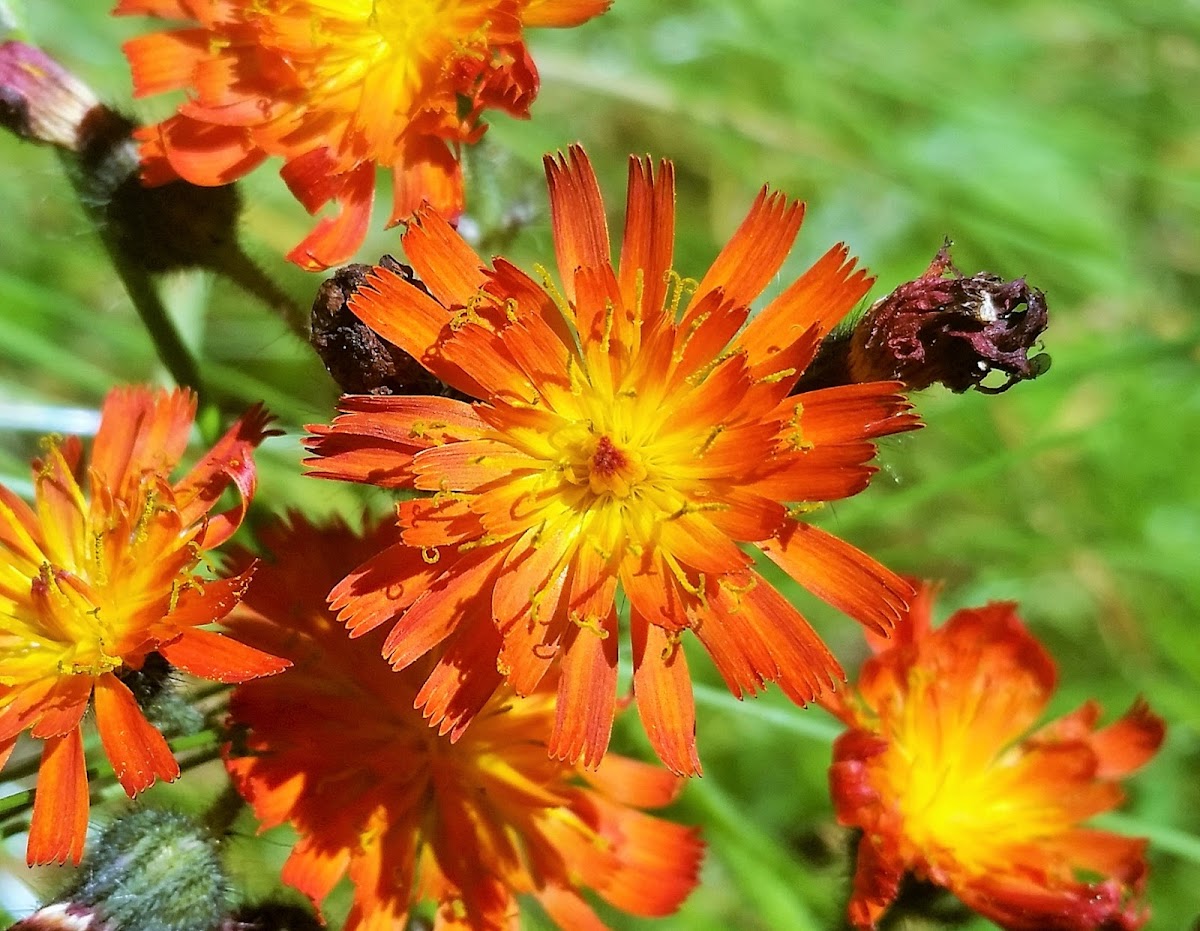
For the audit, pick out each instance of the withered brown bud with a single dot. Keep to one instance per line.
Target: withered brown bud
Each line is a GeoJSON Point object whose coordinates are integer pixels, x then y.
{"type": "Point", "coordinates": [359, 359]}
{"type": "Point", "coordinates": [943, 327]}
{"type": "Point", "coordinates": [40, 100]}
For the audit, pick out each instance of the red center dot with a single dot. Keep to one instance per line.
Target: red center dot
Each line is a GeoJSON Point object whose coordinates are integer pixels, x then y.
{"type": "Point", "coordinates": [607, 459]}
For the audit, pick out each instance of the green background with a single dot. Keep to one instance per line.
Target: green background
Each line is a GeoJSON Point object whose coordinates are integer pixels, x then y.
{"type": "Point", "coordinates": [1055, 140]}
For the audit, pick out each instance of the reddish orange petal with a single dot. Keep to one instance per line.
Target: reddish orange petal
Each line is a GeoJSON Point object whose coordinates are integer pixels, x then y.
{"type": "Point", "coordinates": [561, 13]}
{"type": "Point", "coordinates": [663, 690]}
{"type": "Point", "coordinates": [137, 751]}
{"type": "Point", "coordinates": [141, 429]}
{"type": "Point", "coordinates": [220, 658]}
{"type": "Point", "coordinates": [567, 909]}
{"type": "Point", "coordinates": [165, 61]}
{"type": "Point", "coordinates": [382, 587]}
{"type": "Point", "coordinates": [632, 782]}
{"type": "Point", "coordinates": [164, 9]}
{"type": "Point", "coordinates": [841, 575]}
{"type": "Point", "coordinates": [443, 261]}
{"type": "Point", "coordinates": [821, 297]}
{"type": "Point", "coordinates": [202, 153]}
{"type": "Point", "coordinates": [62, 709]}
{"type": "Point", "coordinates": [755, 252]}
{"type": "Point", "coordinates": [587, 693]}
{"type": "Point", "coordinates": [58, 827]}
{"type": "Point", "coordinates": [1129, 743]}
{"type": "Point", "coordinates": [335, 239]}
{"type": "Point", "coordinates": [464, 678]}
{"type": "Point", "coordinates": [577, 211]}
{"type": "Point", "coordinates": [439, 610]}
{"type": "Point", "coordinates": [648, 244]}
{"type": "Point", "coordinates": [314, 869]}
{"type": "Point", "coordinates": [427, 173]}
{"type": "Point", "coordinates": [211, 603]}
{"type": "Point", "coordinates": [231, 460]}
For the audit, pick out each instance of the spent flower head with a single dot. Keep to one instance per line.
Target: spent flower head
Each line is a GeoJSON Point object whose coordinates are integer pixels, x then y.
{"type": "Point", "coordinates": [632, 431]}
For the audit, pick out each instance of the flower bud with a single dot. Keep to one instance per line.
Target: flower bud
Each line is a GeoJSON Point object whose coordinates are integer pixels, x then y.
{"type": "Point", "coordinates": [39, 99]}
{"type": "Point", "coordinates": [151, 870]}
{"type": "Point", "coordinates": [156, 692]}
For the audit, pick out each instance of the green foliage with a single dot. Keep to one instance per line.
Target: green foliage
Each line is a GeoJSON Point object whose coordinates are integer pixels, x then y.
{"type": "Point", "coordinates": [1054, 139]}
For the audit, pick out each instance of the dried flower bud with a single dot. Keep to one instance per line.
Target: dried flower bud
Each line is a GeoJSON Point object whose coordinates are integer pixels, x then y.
{"type": "Point", "coordinates": [359, 359]}
{"type": "Point", "coordinates": [943, 327]}
{"type": "Point", "coordinates": [39, 99]}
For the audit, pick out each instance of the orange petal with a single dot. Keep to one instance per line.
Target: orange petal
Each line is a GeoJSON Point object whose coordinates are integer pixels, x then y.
{"type": "Point", "coordinates": [208, 604]}
{"type": "Point", "coordinates": [577, 212]}
{"type": "Point", "coordinates": [165, 61]}
{"type": "Point", "coordinates": [314, 869]}
{"type": "Point", "coordinates": [164, 9]}
{"type": "Point", "coordinates": [219, 658]}
{"type": "Point", "coordinates": [634, 783]}
{"type": "Point", "coordinates": [806, 667]}
{"type": "Point", "coordinates": [406, 316]}
{"type": "Point", "coordinates": [663, 690]}
{"type": "Point", "coordinates": [428, 173]}
{"type": "Point", "coordinates": [231, 460]}
{"type": "Point", "coordinates": [335, 239]}
{"type": "Point", "coordinates": [141, 429]}
{"type": "Point", "coordinates": [1130, 742]}
{"type": "Point", "coordinates": [58, 827]}
{"type": "Point", "coordinates": [648, 244]}
{"type": "Point", "coordinates": [587, 693]}
{"type": "Point", "coordinates": [464, 678]}
{"type": "Point", "coordinates": [464, 586]}
{"type": "Point", "coordinates": [567, 910]}
{"type": "Point", "coordinates": [204, 153]}
{"type": "Point", "coordinates": [137, 751]}
{"type": "Point", "coordinates": [382, 587]}
{"type": "Point", "coordinates": [755, 252]}
{"type": "Point", "coordinates": [819, 298]}
{"type": "Point", "coordinates": [561, 13]}
{"type": "Point", "coordinates": [443, 261]}
{"type": "Point", "coordinates": [62, 710]}
{"type": "Point", "coordinates": [659, 861]}
{"type": "Point", "coordinates": [841, 575]}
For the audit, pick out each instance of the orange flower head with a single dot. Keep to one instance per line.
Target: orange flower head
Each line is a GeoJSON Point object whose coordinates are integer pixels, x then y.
{"type": "Point", "coordinates": [939, 772]}
{"type": "Point", "coordinates": [624, 438]}
{"type": "Point", "coordinates": [336, 88]}
{"type": "Point", "coordinates": [101, 572]}
{"type": "Point", "coordinates": [335, 748]}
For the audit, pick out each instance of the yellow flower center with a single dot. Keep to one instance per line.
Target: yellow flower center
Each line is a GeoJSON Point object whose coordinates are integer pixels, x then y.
{"type": "Point", "coordinates": [965, 798]}
{"type": "Point", "coordinates": [375, 64]}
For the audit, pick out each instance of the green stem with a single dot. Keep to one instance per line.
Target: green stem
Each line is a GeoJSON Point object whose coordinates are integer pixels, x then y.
{"type": "Point", "coordinates": [244, 272]}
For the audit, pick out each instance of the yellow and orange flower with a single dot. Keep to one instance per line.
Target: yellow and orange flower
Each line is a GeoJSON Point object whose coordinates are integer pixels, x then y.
{"type": "Point", "coordinates": [336, 748]}
{"type": "Point", "coordinates": [336, 88]}
{"type": "Point", "coordinates": [102, 572]}
{"type": "Point", "coordinates": [940, 774]}
{"type": "Point", "coordinates": [617, 442]}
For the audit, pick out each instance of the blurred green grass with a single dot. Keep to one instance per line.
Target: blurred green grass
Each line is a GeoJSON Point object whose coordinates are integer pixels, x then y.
{"type": "Point", "coordinates": [1058, 140]}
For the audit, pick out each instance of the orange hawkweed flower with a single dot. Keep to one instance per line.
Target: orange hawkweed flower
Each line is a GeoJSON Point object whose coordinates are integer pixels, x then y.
{"type": "Point", "coordinates": [616, 443]}
{"type": "Point", "coordinates": [938, 772]}
{"type": "Point", "coordinates": [91, 581]}
{"type": "Point", "coordinates": [336, 88]}
{"type": "Point", "coordinates": [335, 748]}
